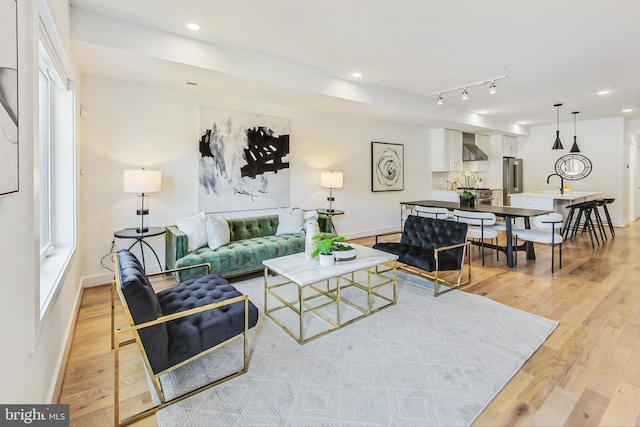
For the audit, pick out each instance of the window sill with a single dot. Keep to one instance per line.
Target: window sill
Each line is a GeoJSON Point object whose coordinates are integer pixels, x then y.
{"type": "Point", "coordinates": [53, 268]}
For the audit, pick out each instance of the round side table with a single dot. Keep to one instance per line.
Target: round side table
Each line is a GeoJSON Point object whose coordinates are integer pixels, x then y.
{"type": "Point", "coordinates": [132, 233]}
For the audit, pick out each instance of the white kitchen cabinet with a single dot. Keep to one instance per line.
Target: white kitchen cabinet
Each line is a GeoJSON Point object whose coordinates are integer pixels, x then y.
{"type": "Point", "coordinates": [541, 203]}
{"type": "Point", "coordinates": [509, 146]}
{"type": "Point", "coordinates": [446, 150]}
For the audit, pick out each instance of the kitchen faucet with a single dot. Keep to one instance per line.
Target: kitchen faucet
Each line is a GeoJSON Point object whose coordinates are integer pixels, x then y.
{"type": "Point", "coordinates": [561, 181]}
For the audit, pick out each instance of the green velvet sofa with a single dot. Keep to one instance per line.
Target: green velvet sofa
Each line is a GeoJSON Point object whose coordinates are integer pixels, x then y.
{"type": "Point", "coordinates": [253, 240]}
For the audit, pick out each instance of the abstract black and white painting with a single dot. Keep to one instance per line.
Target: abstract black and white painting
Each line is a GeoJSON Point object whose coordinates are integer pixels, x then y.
{"type": "Point", "coordinates": [387, 166]}
{"type": "Point", "coordinates": [244, 161]}
{"type": "Point", "coordinates": [8, 97]}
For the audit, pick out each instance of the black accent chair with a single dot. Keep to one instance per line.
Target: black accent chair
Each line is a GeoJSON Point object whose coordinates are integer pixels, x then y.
{"type": "Point", "coordinates": [176, 325]}
{"type": "Point", "coordinates": [429, 246]}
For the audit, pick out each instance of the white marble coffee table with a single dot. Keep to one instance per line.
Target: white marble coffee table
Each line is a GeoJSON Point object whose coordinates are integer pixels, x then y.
{"type": "Point", "coordinates": [331, 296]}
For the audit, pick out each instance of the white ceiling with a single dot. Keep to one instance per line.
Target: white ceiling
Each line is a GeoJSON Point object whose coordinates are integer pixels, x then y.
{"type": "Point", "coordinates": [552, 52]}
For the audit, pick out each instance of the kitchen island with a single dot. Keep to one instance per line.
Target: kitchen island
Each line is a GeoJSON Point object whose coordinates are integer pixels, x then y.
{"type": "Point", "coordinates": [551, 200]}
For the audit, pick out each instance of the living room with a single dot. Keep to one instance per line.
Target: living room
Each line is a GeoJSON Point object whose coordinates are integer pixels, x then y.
{"type": "Point", "coordinates": [124, 122]}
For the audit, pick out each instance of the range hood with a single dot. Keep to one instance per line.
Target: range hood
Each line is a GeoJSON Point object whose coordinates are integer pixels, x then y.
{"type": "Point", "coordinates": [470, 151]}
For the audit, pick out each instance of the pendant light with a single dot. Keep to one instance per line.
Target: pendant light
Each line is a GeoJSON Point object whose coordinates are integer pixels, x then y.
{"type": "Point", "coordinates": [574, 147]}
{"type": "Point", "coordinates": [557, 145]}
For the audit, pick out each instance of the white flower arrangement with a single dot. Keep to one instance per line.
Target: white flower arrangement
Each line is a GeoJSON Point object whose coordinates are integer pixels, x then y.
{"type": "Point", "coordinates": [466, 179]}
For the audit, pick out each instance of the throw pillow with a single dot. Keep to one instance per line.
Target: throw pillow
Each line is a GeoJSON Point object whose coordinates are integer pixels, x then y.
{"type": "Point", "coordinates": [217, 231]}
{"type": "Point", "coordinates": [290, 221]}
{"type": "Point", "coordinates": [309, 217]}
{"type": "Point", "coordinates": [195, 227]}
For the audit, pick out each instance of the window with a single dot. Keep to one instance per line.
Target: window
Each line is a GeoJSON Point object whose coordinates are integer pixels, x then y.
{"type": "Point", "coordinates": [56, 163]}
{"type": "Point", "coordinates": [44, 169]}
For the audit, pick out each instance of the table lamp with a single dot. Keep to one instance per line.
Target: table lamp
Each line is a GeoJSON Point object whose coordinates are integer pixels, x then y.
{"type": "Point", "coordinates": [141, 181]}
{"type": "Point", "coordinates": [331, 180]}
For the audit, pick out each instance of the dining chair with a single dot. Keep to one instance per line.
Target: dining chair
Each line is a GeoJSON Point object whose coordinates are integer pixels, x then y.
{"type": "Point", "coordinates": [405, 211]}
{"type": "Point", "coordinates": [548, 230]}
{"type": "Point", "coordinates": [430, 212]}
{"type": "Point", "coordinates": [481, 227]}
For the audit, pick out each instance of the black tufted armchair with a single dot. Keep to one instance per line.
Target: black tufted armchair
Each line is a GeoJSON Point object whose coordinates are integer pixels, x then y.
{"type": "Point", "coordinates": [431, 245]}
{"type": "Point", "coordinates": [176, 325]}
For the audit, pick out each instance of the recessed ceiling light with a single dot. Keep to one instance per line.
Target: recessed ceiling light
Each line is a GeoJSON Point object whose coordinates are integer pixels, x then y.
{"type": "Point", "coordinates": [193, 26]}
{"type": "Point", "coordinates": [627, 110]}
{"type": "Point", "coordinates": [603, 92]}
{"type": "Point", "coordinates": [521, 123]}
{"type": "Point", "coordinates": [357, 74]}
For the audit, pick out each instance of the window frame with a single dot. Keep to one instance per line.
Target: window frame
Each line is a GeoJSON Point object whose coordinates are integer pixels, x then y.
{"type": "Point", "coordinates": [56, 255]}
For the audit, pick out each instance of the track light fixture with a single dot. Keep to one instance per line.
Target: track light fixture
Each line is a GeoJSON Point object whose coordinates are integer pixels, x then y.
{"type": "Point", "coordinates": [465, 91]}
{"type": "Point", "coordinates": [558, 144]}
{"type": "Point", "coordinates": [574, 147]}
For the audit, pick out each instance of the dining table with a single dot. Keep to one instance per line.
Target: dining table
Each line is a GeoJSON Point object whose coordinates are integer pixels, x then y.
{"type": "Point", "coordinates": [509, 213]}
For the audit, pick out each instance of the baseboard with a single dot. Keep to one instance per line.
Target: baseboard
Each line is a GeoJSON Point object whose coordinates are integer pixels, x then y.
{"type": "Point", "coordinates": [97, 280]}
{"type": "Point", "coordinates": [62, 367]}
{"type": "Point", "coordinates": [370, 233]}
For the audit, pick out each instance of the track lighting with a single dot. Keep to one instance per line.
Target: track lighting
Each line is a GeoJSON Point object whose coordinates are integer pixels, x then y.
{"type": "Point", "coordinates": [465, 91]}
{"type": "Point", "coordinates": [557, 145]}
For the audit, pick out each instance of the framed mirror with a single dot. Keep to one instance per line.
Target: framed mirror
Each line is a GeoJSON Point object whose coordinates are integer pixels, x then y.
{"type": "Point", "coordinates": [573, 166]}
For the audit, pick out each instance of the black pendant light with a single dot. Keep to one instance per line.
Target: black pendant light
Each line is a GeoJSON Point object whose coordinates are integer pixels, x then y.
{"type": "Point", "coordinates": [574, 147]}
{"type": "Point", "coordinates": [557, 145]}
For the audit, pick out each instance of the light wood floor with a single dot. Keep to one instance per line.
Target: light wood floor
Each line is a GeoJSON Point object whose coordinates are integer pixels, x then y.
{"type": "Point", "coordinates": [586, 374]}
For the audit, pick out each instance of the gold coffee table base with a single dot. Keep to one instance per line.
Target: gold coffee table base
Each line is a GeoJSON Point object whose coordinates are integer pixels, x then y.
{"type": "Point", "coordinates": [328, 301]}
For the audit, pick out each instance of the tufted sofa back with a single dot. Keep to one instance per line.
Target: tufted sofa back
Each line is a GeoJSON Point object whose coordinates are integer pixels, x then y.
{"type": "Point", "coordinates": [432, 233]}
{"type": "Point", "coordinates": [257, 226]}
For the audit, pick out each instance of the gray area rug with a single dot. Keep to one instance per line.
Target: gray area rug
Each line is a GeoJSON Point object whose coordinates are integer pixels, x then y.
{"type": "Point", "coordinates": [424, 362]}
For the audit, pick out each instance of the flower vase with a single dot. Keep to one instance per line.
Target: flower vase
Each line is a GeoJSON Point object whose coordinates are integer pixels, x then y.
{"type": "Point", "coordinates": [467, 202]}
{"type": "Point", "coordinates": [309, 244]}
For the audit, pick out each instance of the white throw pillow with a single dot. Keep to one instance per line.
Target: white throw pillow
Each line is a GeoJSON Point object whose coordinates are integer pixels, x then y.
{"type": "Point", "coordinates": [309, 217]}
{"type": "Point", "coordinates": [195, 227]}
{"type": "Point", "coordinates": [290, 221]}
{"type": "Point", "coordinates": [218, 233]}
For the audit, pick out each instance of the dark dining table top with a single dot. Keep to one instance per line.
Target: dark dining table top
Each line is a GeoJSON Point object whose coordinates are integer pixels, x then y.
{"type": "Point", "coordinates": [500, 211]}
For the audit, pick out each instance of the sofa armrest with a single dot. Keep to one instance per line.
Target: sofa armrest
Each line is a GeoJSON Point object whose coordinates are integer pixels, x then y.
{"type": "Point", "coordinates": [176, 246]}
{"type": "Point", "coordinates": [195, 310]}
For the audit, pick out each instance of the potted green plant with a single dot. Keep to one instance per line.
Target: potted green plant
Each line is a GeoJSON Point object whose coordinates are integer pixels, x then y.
{"type": "Point", "coordinates": [343, 252]}
{"type": "Point", "coordinates": [324, 247]}
{"type": "Point", "coordinates": [467, 198]}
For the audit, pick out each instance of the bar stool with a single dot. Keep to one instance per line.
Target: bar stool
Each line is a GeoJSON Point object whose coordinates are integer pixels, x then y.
{"type": "Point", "coordinates": [608, 201]}
{"type": "Point", "coordinates": [567, 224]}
{"type": "Point", "coordinates": [584, 210]}
{"type": "Point", "coordinates": [599, 222]}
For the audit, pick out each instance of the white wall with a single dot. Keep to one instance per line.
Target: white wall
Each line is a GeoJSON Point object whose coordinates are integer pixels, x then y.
{"type": "Point", "coordinates": [32, 352]}
{"type": "Point", "coordinates": [131, 125]}
{"type": "Point", "coordinates": [601, 141]}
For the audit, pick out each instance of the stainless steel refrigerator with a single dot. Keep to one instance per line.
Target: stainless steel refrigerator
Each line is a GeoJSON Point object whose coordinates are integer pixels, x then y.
{"type": "Point", "coordinates": [511, 178]}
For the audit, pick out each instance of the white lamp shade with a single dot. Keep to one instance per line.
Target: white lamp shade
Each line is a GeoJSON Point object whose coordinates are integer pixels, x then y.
{"type": "Point", "coordinates": [331, 179]}
{"type": "Point", "coordinates": [141, 181]}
